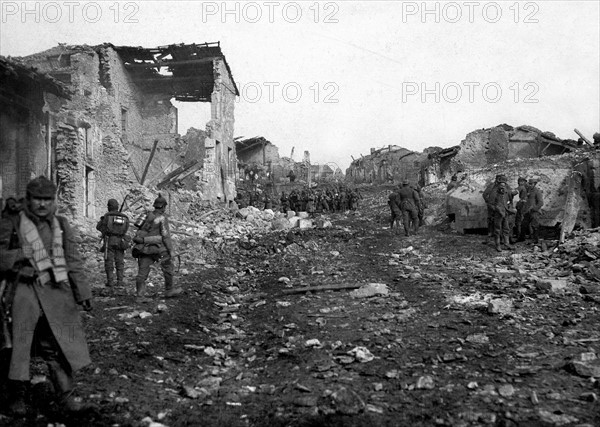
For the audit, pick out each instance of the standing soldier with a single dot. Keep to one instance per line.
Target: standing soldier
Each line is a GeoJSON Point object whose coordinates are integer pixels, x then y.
{"type": "Point", "coordinates": [409, 202]}
{"type": "Point", "coordinates": [114, 225]}
{"type": "Point", "coordinates": [285, 204]}
{"type": "Point", "coordinates": [394, 204]}
{"type": "Point", "coordinates": [532, 208]}
{"type": "Point", "coordinates": [153, 243]}
{"type": "Point", "coordinates": [502, 208]}
{"type": "Point", "coordinates": [44, 280]}
{"type": "Point", "coordinates": [522, 191]}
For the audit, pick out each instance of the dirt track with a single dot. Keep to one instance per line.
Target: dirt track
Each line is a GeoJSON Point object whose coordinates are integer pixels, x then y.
{"type": "Point", "coordinates": [236, 350]}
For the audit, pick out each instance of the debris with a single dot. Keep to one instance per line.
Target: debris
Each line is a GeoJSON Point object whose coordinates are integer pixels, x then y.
{"type": "Point", "coordinates": [425, 383]}
{"type": "Point", "coordinates": [361, 354]}
{"type": "Point", "coordinates": [369, 290]}
{"type": "Point", "coordinates": [320, 288]}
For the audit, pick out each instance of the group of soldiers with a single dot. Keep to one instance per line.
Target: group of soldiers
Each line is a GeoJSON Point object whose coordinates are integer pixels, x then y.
{"type": "Point", "coordinates": [336, 199]}
{"type": "Point", "coordinates": [406, 204]}
{"type": "Point", "coordinates": [508, 222]}
{"type": "Point", "coordinates": [43, 285]}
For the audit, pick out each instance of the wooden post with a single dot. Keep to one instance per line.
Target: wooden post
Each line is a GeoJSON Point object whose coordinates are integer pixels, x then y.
{"type": "Point", "coordinates": [149, 161]}
{"type": "Point", "coordinates": [583, 137]}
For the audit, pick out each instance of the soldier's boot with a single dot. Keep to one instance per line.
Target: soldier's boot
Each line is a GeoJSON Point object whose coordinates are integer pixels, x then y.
{"type": "Point", "coordinates": [120, 275]}
{"type": "Point", "coordinates": [507, 243]}
{"type": "Point", "coordinates": [17, 404]}
{"type": "Point", "coordinates": [497, 243]}
{"type": "Point", "coordinates": [171, 291]}
{"type": "Point", "coordinates": [110, 277]}
{"type": "Point", "coordinates": [140, 291]}
{"type": "Point", "coordinates": [63, 387]}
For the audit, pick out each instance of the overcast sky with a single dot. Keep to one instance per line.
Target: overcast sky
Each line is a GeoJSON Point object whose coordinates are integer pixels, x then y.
{"type": "Point", "coordinates": [337, 78]}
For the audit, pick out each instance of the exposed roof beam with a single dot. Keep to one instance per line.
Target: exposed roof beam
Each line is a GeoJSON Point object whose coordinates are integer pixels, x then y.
{"type": "Point", "coordinates": [170, 63]}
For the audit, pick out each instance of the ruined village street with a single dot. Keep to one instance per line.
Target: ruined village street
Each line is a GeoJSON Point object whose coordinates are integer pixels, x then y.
{"type": "Point", "coordinates": [465, 336]}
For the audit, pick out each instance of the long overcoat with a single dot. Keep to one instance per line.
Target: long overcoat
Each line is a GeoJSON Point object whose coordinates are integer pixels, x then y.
{"type": "Point", "coordinates": [58, 302]}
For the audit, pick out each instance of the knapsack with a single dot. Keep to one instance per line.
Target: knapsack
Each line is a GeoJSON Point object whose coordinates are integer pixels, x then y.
{"type": "Point", "coordinates": [117, 224]}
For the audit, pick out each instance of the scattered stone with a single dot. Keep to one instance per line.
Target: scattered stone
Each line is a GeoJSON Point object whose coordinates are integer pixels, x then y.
{"type": "Point", "coordinates": [425, 383]}
{"type": "Point", "coordinates": [552, 285]}
{"type": "Point", "coordinates": [372, 289]}
{"type": "Point", "coordinates": [500, 306]}
{"type": "Point", "coordinates": [585, 369]}
{"type": "Point", "coordinates": [478, 339]}
{"type": "Point", "coordinates": [556, 419]}
{"type": "Point", "coordinates": [506, 390]}
{"type": "Point", "coordinates": [346, 401]}
{"type": "Point", "coordinates": [313, 343]}
{"type": "Point", "coordinates": [361, 354]}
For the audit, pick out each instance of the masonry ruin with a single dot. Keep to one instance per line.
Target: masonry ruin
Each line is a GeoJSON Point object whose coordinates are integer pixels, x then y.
{"type": "Point", "coordinates": [26, 124]}
{"type": "Point", "coordinates": [119, 129]}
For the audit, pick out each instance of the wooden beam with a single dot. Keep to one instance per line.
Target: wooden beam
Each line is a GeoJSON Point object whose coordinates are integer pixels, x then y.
{"type": "Point", "coordinates": [170, 63]}
{"type": "Point", "coordinates": [583, 137]}
{"type": "Point", "coordinates": [320, 288]}
{"type": "Point", "coordinates": [149, 161]}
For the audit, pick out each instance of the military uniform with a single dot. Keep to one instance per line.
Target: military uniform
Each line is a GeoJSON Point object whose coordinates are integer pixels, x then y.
{"type": "Point", "coordinates": [409, 204]}
{"type": "Point", "coordinates": [533, 205]}
{"type": "Point", "coordinates": [46, 281]}
{"type": "Point", "coordinates": [153, 243]}
{"type": "Point", "coordinates": [114, 225]}
{"type": "Point", "coordinates": [502, 208]}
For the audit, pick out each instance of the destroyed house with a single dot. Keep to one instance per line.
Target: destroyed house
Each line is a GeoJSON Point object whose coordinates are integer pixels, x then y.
{"type": "Point", "coordinates": [26, 124]}
{"type": "Point", "coordinates": [388, 164]}
{"type": "Point", "coordinates": [120, 128]}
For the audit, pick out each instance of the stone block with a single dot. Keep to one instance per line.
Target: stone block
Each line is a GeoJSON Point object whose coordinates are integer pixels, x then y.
{"type": "Point", "coordinates": [294, 221]}
{"type": "Point", "coordinates": [552, 285]}
{"type": "Point", "coordinates": [304, 223]}
{"type": "Point", "coordinates": [291, 214]}
{"type": "Point", "coordinates": [303, 215]}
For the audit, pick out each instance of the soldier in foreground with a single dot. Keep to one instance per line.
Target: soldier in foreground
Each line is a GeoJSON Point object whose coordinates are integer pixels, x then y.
{"type": "Point", "coordinates": [153, 243]}
{"type": "Point", "coordinates": [114, 225]}
{"type": "Point", "coordinates": [502, 207]}
{"type": "Point", "coordinates": [44, 284]}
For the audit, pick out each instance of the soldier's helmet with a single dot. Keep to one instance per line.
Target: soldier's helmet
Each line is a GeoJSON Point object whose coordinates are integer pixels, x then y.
{"type": "Point", "coordinates": [534, 180]}
{"type": "Point", "coordinates": [113, 204]}
{"type": "Point", "coordinates": [501, 178]}
{"type": "Point", "coordinates": [41, 187]}
{"type": "Point", "coordinates": [160, 202]}
{"type": "Point", "coordinates": [405, 182]}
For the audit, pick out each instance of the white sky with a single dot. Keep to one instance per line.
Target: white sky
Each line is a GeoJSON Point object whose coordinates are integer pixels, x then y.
{"type": "Point", "coordinates": [373, 58]}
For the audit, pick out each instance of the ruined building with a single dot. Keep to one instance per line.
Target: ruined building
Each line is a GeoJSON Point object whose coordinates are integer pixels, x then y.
{"type": "Point", "coordinates": [26, 124]}
{"type": "Point", "coordinates": [120, 128]}
{"type": "Point", "coordinates": [386, 165]}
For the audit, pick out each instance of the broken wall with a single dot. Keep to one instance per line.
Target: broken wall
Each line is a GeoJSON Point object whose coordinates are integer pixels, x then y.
{"type": "Point", "coordinates": [220, 163]}
{"type": "Point", "coordinates": [391, 164]}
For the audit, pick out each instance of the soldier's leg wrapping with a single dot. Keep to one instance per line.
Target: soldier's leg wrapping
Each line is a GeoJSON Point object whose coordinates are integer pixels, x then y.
{"type": "Point", "coordinates": [144, 263]}
{"type": "Point", "coordinates": [168, 270]}
{"type": "Point", "coordinates": [535, 226]}
{"type": "Point", "coordinates": [120, 265]}
{"type": "Point", "coordinates": [109, 266]}
{"type": "Point", "coordinates": [61, 374]}
{"type": "Point", "coordinates": [406, 221]}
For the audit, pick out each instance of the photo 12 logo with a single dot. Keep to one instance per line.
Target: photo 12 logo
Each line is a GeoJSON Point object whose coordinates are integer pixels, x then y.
{"type": "Point", "coordinates": [454, 92]}
{"type": "Point", "coordinates": [290, 92]}
{"type": "Point", "coordinates": [469, 11]}
{"type": "Point", "coordinates": [69, 11]}
{"type": "Point", "coordinates": [269, 11]}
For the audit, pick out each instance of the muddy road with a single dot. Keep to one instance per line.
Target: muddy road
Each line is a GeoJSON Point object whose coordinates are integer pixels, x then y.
{"type": "Point", "coordinates": [455, 334]}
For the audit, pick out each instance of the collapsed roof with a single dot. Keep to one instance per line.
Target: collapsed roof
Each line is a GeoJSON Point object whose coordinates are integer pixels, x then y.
{"type": "Point", "coordinates": [12, 72]}
{"type": "Point", "coordinates": [183, 70]}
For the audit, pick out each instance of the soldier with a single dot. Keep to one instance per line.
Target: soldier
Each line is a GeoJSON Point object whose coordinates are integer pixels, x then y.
{"type": "Point", "coordinates": [409, 203]}
{"type": "Point", "coordinates": [153, 243]}
{"type": "Point", "coordinates": [114, 225]}
{"type": "Point", "coordinates": [12, 208]}
{"type": "Point", "coordinates": [489, 195]}
{"type": "Point", "coordinates": [502, 208]}
{"type": "Point", "coordinates": [532, 208]}
{"type": "Point", "coordinates": [394, 204]}
{"type": "Point", "coordinates": [285, 204]}
{"type": "Point", "coordinates": [45, 282]}
{"type": "Point", "coordinates": [522, 192]}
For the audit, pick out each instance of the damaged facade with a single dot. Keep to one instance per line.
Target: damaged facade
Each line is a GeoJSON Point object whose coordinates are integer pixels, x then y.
{"type": "Point", "coordinates": [390, 164]}
{"type": "Point", "coordinates": [120, 128]}
{"type": "Point", "coordinates": [26, 124]}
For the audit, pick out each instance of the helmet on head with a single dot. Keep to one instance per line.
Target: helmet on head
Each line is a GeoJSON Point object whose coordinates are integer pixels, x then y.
{"type": "Point", "coordinates": [521, 179]}
{"type": "Point", "coordinates": [534, 180]}
{"type": "Point", "coordinates": [405, 182]}
{"type": "Point", "coordinates": [41, 187]}
{"type": "Point", "coordinates": [160, 202]}
{"type": "Point", "coordinates": [501, 178]}
{"type": "Point", "coordinates": [113, 205]}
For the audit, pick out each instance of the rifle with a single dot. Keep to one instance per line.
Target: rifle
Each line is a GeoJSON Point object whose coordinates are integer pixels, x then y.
{"type": "Point", "coordinates": [7, 294]}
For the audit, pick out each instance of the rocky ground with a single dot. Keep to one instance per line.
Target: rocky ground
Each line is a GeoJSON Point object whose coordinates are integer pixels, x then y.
{"type": "Point", "coordinates": [435, 329]}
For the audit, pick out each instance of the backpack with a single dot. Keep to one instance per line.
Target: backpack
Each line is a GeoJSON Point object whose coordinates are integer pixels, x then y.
{"type": "Point", "coordinates": [117, 224]}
